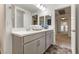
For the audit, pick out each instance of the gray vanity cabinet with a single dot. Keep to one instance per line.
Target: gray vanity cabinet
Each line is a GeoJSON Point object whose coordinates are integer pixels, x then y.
{"type": "Point", "coordinates": [31, 44]}
{"type": "Point", "coordinates": [49, 38]}
{"type": "Point", "coordinates": [17, 44]}
{"type": "Point", "coordinates": [31, 48]}
{"type": "Point", "coordinates": [41, 45]}
{"type": "Point", "coordinates": [36, 46]}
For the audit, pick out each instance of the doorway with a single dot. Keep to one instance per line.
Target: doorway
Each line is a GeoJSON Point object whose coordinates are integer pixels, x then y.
{"type": "Point", "coordinates": [63, 27]}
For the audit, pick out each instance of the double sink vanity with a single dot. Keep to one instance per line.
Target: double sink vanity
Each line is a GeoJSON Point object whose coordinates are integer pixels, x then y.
{"type": "Point", "coordinates": [31, 42]}
{"type": "Point", "coordinates": [35, 41]}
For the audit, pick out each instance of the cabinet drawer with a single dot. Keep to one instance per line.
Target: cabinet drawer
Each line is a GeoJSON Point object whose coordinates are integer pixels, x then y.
{"type": "Point", "coordinates": [30, 48]}
{"type": "Point", "coordinates": [33, 37]}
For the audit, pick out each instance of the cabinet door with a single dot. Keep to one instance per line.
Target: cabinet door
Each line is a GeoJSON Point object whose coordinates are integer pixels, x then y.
{"type": "Point", "coordinates": [30, 48]}
{"type": "Point", "coordinates": [51, 37]}
{"type": "Point", "coordinates": [41, 45]}
{"type": "Point", "coordinates": [48, 39]}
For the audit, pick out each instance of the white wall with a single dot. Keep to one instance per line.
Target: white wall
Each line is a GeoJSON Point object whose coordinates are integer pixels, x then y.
{"type": "Point", "coordinates": [8, 38]}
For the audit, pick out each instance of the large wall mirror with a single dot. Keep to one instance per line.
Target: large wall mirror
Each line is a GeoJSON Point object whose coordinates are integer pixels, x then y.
{"type": "Point", "coordinates": [34, 19]}
{"type": "Point", "coordinates": [19, 18]}
{"type": "Point", "coordinates": [41, 20]}
{"type": "Point", "coordinates": [48, 19]}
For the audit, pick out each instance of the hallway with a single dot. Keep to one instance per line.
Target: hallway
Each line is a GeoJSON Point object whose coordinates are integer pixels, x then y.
{"type": "Point", "coordinates": [63, 45]}
{"type": "Point", "coordinates": [63, 40]}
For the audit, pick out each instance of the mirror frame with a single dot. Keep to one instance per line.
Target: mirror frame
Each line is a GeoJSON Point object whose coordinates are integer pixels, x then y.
{"type": "Point", "coordinates": [15, 20]}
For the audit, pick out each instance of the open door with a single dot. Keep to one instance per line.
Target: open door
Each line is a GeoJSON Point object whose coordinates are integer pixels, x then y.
{"type": "Point", "coordinates": [73, 29]}
{"type": "Point", "coordinates": [63, 28]}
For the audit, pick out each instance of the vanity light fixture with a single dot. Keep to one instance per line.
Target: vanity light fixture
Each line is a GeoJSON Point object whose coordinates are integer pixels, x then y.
{"type": "Point", "coordinates": [40, 6]}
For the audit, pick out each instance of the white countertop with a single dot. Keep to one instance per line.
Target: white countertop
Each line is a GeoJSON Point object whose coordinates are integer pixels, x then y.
{"type": "Point", "coordinates": [25, 33]}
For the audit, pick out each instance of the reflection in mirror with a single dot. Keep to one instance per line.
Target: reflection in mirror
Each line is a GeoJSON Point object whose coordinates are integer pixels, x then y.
{"type": "Point", "coordinates": [19, 18]}
{"type": "Point", "coordinates": [48, 20]}
{"type": "Point", "coordinates": [35, 20]}
{"type": "Point", "coordinates": [41, 20]}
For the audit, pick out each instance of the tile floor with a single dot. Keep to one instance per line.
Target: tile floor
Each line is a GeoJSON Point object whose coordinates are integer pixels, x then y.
{"type": "Point", "coordinates": [53, 49]}
{"type": "Point", "coordinates": [63, 45]}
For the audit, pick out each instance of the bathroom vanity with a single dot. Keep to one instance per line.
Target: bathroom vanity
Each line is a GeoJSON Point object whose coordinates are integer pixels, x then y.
{"type": "Point", "coordinates": [28, 41]}
{"type": "Point", "coordinates": [31, 42]}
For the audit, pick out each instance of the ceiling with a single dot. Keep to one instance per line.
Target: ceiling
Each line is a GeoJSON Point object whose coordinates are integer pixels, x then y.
{"type": "Point", "coordinates": [29, 7]}
{"type": "Point", "coordinates": [56, 6]}
{"type": "Point", "coordinates": [33, 8]}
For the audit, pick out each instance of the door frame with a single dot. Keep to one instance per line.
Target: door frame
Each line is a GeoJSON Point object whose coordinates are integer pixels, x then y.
{"type": "Point", "coordinates": [73, 28]}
